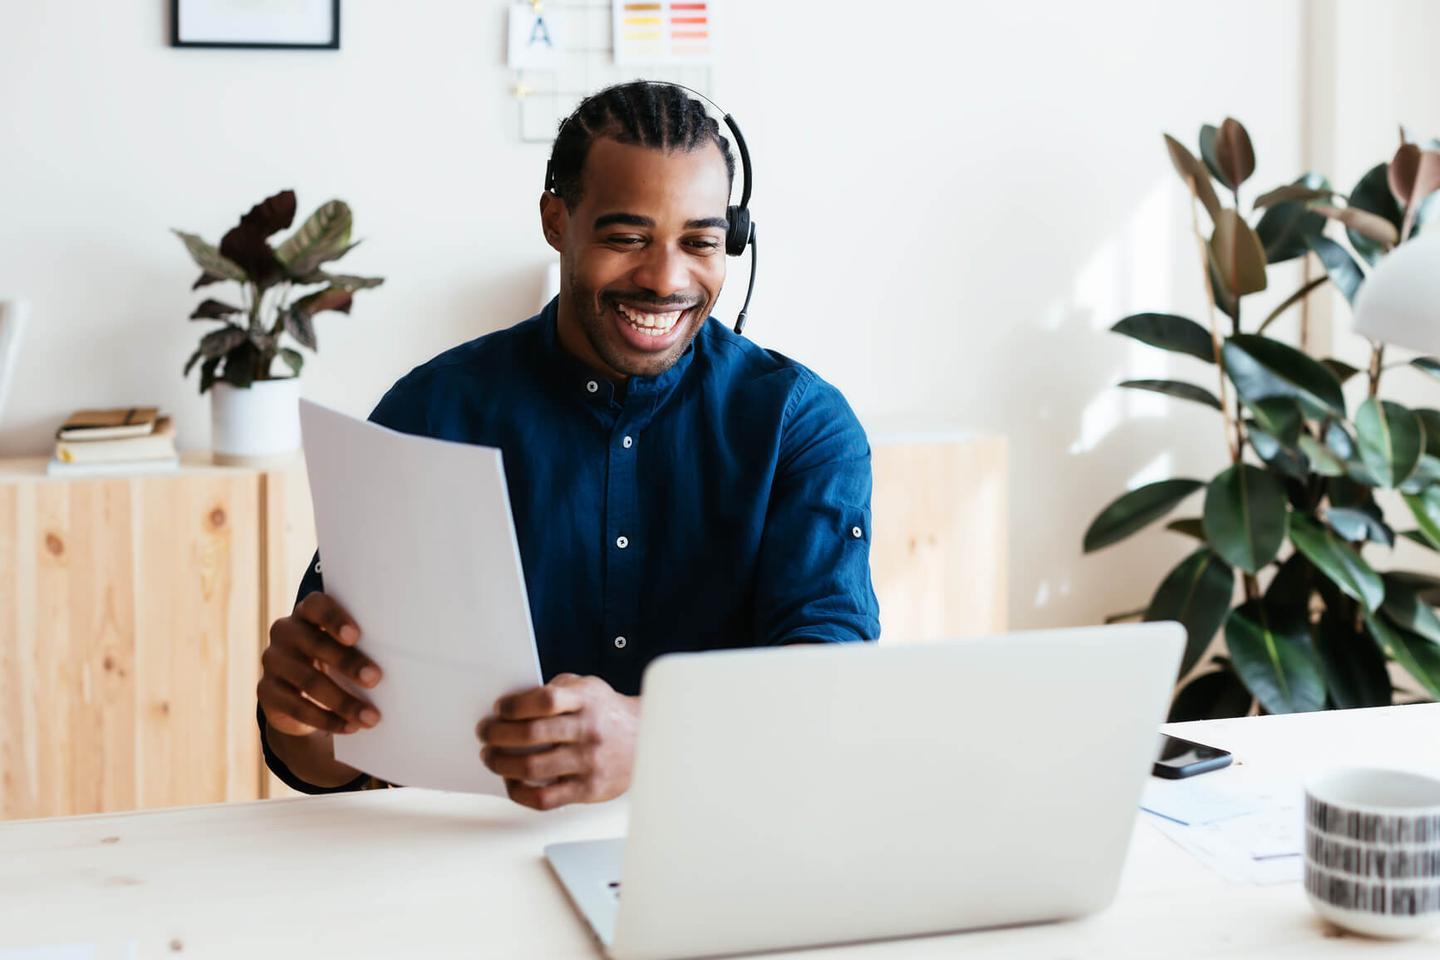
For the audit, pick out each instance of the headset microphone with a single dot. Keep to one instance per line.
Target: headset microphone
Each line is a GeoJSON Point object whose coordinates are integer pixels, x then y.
{"type": "Point", "coordinates": [740, 228]}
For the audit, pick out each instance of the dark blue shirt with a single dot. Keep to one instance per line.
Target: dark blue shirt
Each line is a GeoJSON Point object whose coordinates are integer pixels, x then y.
{"type": "Point", "coordinates": [723, 503]}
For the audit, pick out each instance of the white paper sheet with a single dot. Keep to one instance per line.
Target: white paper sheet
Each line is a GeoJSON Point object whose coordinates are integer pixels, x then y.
{"type": "Point", "coordinates": [1259, 845]}
{"type": "Point", "coordinates": [418, 544]}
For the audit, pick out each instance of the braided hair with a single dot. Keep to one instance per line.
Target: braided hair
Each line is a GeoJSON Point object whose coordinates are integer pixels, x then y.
{"type": "Point", "coordinates": [644, 113]}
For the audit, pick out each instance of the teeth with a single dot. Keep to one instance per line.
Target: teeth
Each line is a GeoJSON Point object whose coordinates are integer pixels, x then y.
{"type": "Point", "coordinates": [650, 324]}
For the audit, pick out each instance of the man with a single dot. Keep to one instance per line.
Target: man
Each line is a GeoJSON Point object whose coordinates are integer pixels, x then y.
{"type": "Point", "coordinates": [674, 486]}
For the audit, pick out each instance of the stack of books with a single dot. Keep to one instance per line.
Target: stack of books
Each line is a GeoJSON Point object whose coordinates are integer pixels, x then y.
{"type": "Point", "coordinates": [125, 440]}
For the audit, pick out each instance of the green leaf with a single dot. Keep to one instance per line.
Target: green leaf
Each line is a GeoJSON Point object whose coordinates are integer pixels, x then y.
{"type": "Point", "coordinates": [1343, 270]}
{"type": "Point", "coordinates": [1420, 538]}
{"type": "Point", "coordinates": [1175, 388]}
{"type": "Point", "coordinates": [1293, 193]}
{"type": "Point", "coordinates": [207, 373]}
{"type": "Point", "coordinates": [1430, 422]}
{"type": "Point", "coordinates": [1227, 304]}
{"type": "Point", "coordinates": [1234, 153]}
{"type": "Point", "coordinates": [332, 298]}
{"type": "Point", "coordinates": [1353, 663]}
{"type": "Point", "coordinates": [209, 258]}
{"type": "Point", "coordinates": [214, 310]}
{"type": "Point", "coordinates": [1342, 370]}
{"type": "Point", "coordinates": [294, 359]}
{"type": "Point", "coordinates": [1215, 695]}
{"type": "Point", "coordinates": [1427, 472]}
{"type": "Point", "coordinates": [1136, 510]}
{"type": "Point", "coordinates": [1404, 608]}
{"type": "Point", "coordinates": [1429, 364]}
{"type": "Point", "coordinates": [1275, 660]}
{"type": "Point", "coordinates": [1208, 134]}
{"type": "Point", "coordinates": [1193, 172]}
{"type": "Point", "coordinates": [1425, 506]}
{"type": "Point", "coordinates": [1358, 524]}
{"type": "Point", "coordinates": [1372, 194]}
{"type": "Point", "coordinates": [1419, 657]}
{"type": "Point", "coordinates": [343, 281]}
{"type": "Point", "coordinates": [1280, 417]}
{"type": "Point", "coordinates": [1391, 440]}
{"type": "Point", "coordinates": [189, 364]}
{"type": "Point", "coordinates": [1245, 516]}
{"type": "Point", "coordinates": [217, 343]}
{"type": "Point", "coordinates": [322, 236]}
{"type": "Point", "coordinates": [1283, 228]}
{"type": "Point", "coordinates": [1169, 332]}
{"type": "Point", "coordinates": [1196, 593]}
{"type": "Point", "coordinates": [1278, 456]}
{"type": "Point", "coordinates": [301, 326]}
{"type": "Point", "coordinates": [1189, 526]}
{"type": "Point", "coordinates": [1338, 561]}
{"type": "Point", "coordinates": [1322, 459]}
{"type": "Point", "coordinates": [1424, 584]}
{"type": "Point", "coordinates": [1262, 368]}
{"type": "Point", "coordinates": [1338, 438]}
{"type": "Point", "coordinates": [1238, 254]}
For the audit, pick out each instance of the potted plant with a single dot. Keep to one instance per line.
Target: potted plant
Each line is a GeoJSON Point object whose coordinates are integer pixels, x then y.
{"type": "Point", "coordinates": [1291, 523]}
{"type": "Point", "coordinates": [254, 408]}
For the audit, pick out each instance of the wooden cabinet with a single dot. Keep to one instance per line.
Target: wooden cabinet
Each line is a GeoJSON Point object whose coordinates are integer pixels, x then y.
{"type": "Point", "coordinates": [133, 611]}
{"type": "Point", "coordinates": [132, 615]}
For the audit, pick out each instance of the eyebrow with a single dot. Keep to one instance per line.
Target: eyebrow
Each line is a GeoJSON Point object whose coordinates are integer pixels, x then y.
{"type": "Point", "coordinates": [635, 220]}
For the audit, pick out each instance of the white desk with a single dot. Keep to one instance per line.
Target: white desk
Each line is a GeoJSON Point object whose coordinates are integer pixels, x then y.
{"type": "Point", "coordinates": [415, 874]}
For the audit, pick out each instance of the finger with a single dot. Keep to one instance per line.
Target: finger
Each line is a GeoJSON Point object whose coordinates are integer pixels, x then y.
{"type": "Point", "coordinates": [325, 612]}
{"type": "Point", "coordinates": [302, 675]}
{"type": "Point", "coordinates": [315, 645]}
{"type": "Point", "coordinates": [547, 796]}
{"type": "Point", "coordinates": [566, 728]}
{"type": "Point", "coordinates": [547, 701]}
{"type": "Point", "coordinates": [278, 697]}
{"type": "Point", "coordinates": [543, 765]}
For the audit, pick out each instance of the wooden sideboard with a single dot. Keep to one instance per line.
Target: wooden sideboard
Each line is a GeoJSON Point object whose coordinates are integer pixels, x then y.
{"type": "Point", "coordinates": [133, 610]}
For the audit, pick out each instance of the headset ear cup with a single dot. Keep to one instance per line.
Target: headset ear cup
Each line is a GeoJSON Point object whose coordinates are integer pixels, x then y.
{"type": "Point", "coordinates": [737, 236]}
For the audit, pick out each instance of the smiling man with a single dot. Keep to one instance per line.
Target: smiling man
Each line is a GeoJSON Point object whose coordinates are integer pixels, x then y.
{"type": "Point", "coordinates": [674, 486]}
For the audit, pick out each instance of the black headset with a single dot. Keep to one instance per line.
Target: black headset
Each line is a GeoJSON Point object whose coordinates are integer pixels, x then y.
{"type": "Point", "coordinates": [740, 229]}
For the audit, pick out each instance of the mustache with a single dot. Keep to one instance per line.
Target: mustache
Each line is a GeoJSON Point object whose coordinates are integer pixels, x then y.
{"type": "Point", "coordinates": [680, 301]}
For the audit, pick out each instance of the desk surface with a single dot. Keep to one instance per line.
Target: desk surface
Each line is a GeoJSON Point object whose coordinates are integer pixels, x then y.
{"type": "Point", "coordinates": [415, 873]}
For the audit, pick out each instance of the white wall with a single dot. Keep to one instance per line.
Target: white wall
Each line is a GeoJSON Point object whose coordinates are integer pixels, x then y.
{"type": "Point", "coordinates": [956, 200]}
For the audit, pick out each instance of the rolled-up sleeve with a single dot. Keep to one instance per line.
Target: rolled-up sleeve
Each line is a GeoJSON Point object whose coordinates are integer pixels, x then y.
{"type": "Point", "coordinates": [813, 578]}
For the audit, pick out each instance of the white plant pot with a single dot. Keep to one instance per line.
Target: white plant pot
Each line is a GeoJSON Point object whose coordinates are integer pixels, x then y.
{"type": "Point", "coordinates": [255, 426]}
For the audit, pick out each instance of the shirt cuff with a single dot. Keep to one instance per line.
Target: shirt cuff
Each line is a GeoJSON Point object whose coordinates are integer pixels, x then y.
{"type": "Point", "coordinates": [278, 767]}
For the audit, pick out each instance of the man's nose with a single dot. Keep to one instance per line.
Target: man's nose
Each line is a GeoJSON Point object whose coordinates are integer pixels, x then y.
{"type": "Point", "coordinates": [664, 271]}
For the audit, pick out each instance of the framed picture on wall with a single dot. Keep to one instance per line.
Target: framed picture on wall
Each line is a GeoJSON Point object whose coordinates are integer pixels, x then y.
{"type": "Point", "coordinates": [256, 24]}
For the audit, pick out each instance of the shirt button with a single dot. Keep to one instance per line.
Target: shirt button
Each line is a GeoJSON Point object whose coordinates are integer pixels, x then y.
{"type": "Point", "coordinates": [620, 643]}
{"type": "Point", "coordinates": [856, 532]}
{"type": "Point", "coordinates": [622, 542]}
{"type": "Point", "coordinates": [317, 566]}
{"type": "Point", "coordinates": [592, 386]}
{"type": "Point", "coordinates": [627, 443]}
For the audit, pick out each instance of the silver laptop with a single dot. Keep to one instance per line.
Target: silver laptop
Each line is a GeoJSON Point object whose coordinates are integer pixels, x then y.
{"type": "Point", "coordinates": [831, 794]}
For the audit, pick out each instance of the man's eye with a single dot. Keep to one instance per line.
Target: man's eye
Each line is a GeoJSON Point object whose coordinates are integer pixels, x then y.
{"type": "Point", "coordinates": [704, 245]}
{"type": "Point", "coordinates": [624, 241]}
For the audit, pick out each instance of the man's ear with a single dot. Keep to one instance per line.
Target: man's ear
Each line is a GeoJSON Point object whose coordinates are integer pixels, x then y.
{"type": "Point", "coordinates": [554, 217]}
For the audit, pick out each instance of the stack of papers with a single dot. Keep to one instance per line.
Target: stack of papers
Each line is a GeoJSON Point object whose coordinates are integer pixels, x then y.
{"type": "Point", "coordinates": [1248, 832]}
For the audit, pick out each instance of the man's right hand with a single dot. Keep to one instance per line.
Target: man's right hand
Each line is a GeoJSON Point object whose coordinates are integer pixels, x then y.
{"type": "Point", "coordinates": [296, 690]}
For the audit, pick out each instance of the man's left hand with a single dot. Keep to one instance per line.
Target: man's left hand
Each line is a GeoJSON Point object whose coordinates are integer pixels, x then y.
{"type": "Point", "coordinates": [578, 741]}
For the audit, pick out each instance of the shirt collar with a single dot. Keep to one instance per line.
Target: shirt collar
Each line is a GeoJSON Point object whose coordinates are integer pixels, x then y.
{"type": "Point", "coordinates": [642, 394]}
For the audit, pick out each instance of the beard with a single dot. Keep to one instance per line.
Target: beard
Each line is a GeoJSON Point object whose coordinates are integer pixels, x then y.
{"type": "Point", "coordinates": [592, 312]}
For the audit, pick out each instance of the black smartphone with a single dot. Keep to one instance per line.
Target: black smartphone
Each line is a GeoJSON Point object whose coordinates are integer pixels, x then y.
{"type": "Point", "coordinates": [1179, 758]}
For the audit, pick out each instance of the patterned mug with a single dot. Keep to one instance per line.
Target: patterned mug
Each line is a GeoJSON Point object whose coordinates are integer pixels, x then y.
{"type": "Point", "coordinates": [1372, 851]}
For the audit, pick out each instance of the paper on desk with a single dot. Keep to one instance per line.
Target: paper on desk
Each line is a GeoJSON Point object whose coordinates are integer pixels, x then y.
{"type": "Point", "coordinates": [418, 544]}
{"type": "Point", "coordinates": [1261, 844]}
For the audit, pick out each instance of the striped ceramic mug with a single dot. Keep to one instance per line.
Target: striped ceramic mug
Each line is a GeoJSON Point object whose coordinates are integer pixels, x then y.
{"type": "Point", "coordinates": [1372, 851]}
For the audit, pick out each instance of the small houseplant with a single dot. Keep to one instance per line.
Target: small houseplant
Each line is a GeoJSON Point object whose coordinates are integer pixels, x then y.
{"type": "Point", "coordinates": [1289, 520]}
{"type": "Point", "coordinates": [254, 412]}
